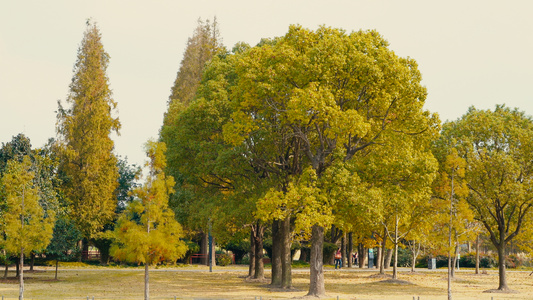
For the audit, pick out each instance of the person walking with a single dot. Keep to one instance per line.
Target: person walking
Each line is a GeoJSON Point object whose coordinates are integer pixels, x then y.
{"type": "Point", "coordinates": [338, 259]}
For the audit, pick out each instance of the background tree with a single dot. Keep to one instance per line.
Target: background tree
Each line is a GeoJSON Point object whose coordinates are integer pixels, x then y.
{"type": "Point", "coordinates": [128, 175]}
{"type": "Point", "coordinates": [27, 226]}
{"type": "Point", "coordinates": [498, 149]}
{"type": "Point", "coordinates": [88, 163]}
{"type": "Point", "coordinates": [147, 231]}
{"type": "Point", "coordinates": [200, 49]}
{"type": "Point", "coordinates": [64, 243]}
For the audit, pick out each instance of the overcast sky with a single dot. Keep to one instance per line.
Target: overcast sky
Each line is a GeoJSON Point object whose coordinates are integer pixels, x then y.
{"type": "Point", "coordinates": [476, 53]}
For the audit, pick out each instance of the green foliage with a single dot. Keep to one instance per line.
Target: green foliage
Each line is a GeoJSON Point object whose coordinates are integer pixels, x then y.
{"type": "Point", "coordinates": [240, 248]}
{"type": "Point", "coordinates": [128, 175]}
{"type": "Point", "coordinates": [88, 163]}
{"type": "Point", "coordinates": [63, 245]}
{"type": "Point", "coordinates": [329, 250]}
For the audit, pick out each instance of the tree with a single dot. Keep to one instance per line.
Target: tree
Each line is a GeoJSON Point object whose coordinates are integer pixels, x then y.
{"type": "Point", "coordinates": [63, 245]}
{"type": "Point", "coordinates": [497, 147]}
{"type": "Point", "coordinates": [88, 162]}
{"type": "Point", "coordinates": [27, 227]}
{"type": "Point", "coordinates": [336, 95]}
{"type": "Point", "coordinates": [128, 175]}
{"type": "Point", "coordinates": [201, 48]}
{"type": "Point", "coordinates": [147, 231]}
{"type": "Point", "coordinates": [44, 168]}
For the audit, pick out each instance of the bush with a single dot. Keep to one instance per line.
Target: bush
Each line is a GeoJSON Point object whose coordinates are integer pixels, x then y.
{"type": "Point", "coordinates": [513, 261]}
{"type": "Point", "coordinates": [223, 259]}
{"type": "Point", "coordinates": [329, 250]}
{"type": "Point", "coordinates": [468, 260]}
{"type": "Point", "coordinates": [487, 262]}
{"type": "Point", "coordinates": [240, 248]}
{"type": "Point", "coordinates": [441, 261]}
{"type": "Point", "coordinates": [404, 257]}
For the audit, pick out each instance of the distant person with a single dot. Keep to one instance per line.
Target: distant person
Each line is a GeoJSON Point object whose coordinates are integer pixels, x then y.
{"type": "Point", "coordinates": [338, 259]}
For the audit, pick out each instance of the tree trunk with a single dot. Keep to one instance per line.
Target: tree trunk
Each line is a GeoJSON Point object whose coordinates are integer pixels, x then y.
{"type": "Point", "coordinates": [286, 258]}
{"type": "Point", "coordinates": [21, 277]}
{"type": "Point", "coordinates": [350, 249]}
{"type": "Point", "coordinates": [275, 260]}
{"type": "Point", "coordinates": [380, 254]}
{"type": "Point", "coordinates": [416, 252]}
{"type": "Point", "coordinates": [17, 266]}
{"type": "Point", "coordinates": [85, 250]}
{"type": "Point", "coordinates": [343, 251]}
{"type": "Point", "coordinates": [454, 260]}
{"type": "Point", "coordinates": [146, 282]}
{"type": "Point", "coordinates": [213, 253]}
{"type": "Point", "coordinates": [316, 272]}
{"type": "Point", "coordinates": [57, 266]}
{"type": "Point", "coordinates": [477, 254]}
{"type": "Point", "coordinates": [251, 269]}
{"type": "Point", "coordinates": [388, 258]}
{"type": "Point", "coordinates": [395, 267]}
{"type": "Point", "coordinates": [501, 267]}
{"type": "Point", "coordinates": [6, 270]}
{"type": "Point", "coordinates": [361, 255]}
{"type": "Point", "coordinates": [32, 263]}
{"type": "Point", "coordinates": [204, 249]}
{"type": "Point", "coordinates": [258, 240]}
{"type": "Point", "coordinates": [383, 249]}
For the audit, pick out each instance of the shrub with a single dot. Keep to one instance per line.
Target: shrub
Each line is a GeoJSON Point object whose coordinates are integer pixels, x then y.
{"type": "Point", "coordinates": [223, 259]}
{"type": "Point", "coordinates": [240, 248]}
{"type": "Point", "coordinates": [513, 261]}
{"type": "Point", "coordinates": [404, 257]}
{"type": "Point", "coordinates": [487, 262]}
{"type": "Point", "coordinates": [329, 250]}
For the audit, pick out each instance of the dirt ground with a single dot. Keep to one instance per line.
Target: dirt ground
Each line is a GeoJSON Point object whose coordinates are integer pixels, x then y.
{"type": "Point", "coordinates": [196, 282]}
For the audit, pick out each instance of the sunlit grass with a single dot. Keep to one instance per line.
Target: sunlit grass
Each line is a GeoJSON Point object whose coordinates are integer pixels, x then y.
{"type": "Point", "coordinates": [79, 281]}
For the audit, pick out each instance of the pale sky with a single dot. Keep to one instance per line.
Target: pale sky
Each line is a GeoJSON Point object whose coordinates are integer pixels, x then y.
{"type": "Point", "coordinates": [469, 52]}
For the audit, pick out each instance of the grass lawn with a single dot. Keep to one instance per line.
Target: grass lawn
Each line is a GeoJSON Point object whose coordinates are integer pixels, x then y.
{"type": "Point", "coordinates": [196, 282]}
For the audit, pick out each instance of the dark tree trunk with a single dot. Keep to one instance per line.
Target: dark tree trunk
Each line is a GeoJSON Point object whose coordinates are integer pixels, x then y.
{"type": "Point", "coordinates": [276, 254]}
{"type": "Point", "coordinates": [251, 270]}
{"type": "Point", "coordinates": [350, 249]}
{"type": "Point", "coordinates": [501, 267]}
{"type": "Point", "coordinates": [57, 266]}
{"type": "Point", "coordinates": [32, 262]}
{"type": "Point", "coordinates": [316, 273]}
{"type": "Point", "coordinates": [362, 255]}
{"type": "Point", "coordinates": [17, 264]}
{"type": "Point", "coordinates": [204, 249]}
{"type": "Point", "coordinates": [477, 254]}
{"type": "Point", "coordinates": [85, 250]}
{"type": "Point", "coordinates": [286, 258]}
{"type": "Point", "coordinates": [343, 251]}
{"type": "Point", "coordinates": [388, 258]}
{"type": "Point", "coordinates": [6, 270]}
{"type": "Point", "coordinates": [303, 256]}
{"type": "Point", "coordinates": [258, 240]}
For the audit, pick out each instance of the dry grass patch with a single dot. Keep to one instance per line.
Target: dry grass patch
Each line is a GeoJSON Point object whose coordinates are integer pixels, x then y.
{"type": "Point", "coordinates": [231, 283]}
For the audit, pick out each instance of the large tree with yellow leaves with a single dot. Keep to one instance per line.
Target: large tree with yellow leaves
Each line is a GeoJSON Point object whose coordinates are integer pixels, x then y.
{"type": "Point", "coordinates": [88, 163]}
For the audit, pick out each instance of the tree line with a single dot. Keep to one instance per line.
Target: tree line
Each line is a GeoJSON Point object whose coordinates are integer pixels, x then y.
{"type": "Point", "coordinates": [311, 136]}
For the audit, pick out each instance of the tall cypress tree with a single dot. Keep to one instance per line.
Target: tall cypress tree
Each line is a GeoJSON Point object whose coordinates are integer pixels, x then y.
{"type": "Point", "coordinates": [88, 164]}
